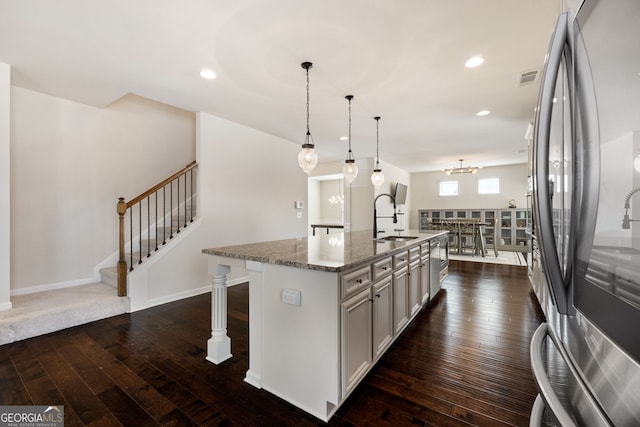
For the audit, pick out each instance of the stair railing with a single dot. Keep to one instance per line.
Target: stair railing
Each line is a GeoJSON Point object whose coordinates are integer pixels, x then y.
{"type": "Point", "coordinates": [172, 197]}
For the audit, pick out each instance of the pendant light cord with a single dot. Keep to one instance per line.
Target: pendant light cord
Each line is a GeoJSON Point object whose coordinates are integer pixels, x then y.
{"type": "Point", "coordinates": [349, 98]}
{"type": "Point", "coordinates": [308, 131]}
{"type": "Point", "coordinates": [377, 142]}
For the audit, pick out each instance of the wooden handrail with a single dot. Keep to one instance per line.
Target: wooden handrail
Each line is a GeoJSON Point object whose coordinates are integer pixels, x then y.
{"type": "Point", "coordinates": [162, 184]}
{"type": "Point", "coordinates": [123, 207]}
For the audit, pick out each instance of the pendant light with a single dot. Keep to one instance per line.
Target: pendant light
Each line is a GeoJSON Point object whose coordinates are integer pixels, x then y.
{"type": "Point", "coordinates": [307, 158]}
{"type": "Point", "coordinates": [377, 177]}
{"type": "Point", "coordinates": [350, 169]}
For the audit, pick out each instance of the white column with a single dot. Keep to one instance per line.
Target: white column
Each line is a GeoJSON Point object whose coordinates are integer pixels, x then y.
{"type": "Point", "coordinates": [256, 323]}
{"type": "Point", "coordinates": [5, 188]}
{"type": "Point", "coordinates": [219, 345]}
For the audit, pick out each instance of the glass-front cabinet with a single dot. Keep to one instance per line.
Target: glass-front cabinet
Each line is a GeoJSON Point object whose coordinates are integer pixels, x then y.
{"type": "Point", "coordinates": [509, 227]}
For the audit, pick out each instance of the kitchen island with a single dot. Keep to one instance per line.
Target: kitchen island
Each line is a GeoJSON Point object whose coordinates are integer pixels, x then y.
{"type": "Point", "coordinates": [324, 308]}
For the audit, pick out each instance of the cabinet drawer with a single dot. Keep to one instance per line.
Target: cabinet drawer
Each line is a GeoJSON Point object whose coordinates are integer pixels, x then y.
{"type": "Point", "coordinates": [382, 268]}
{"type": "Point", "coordinates": [355, 280]}
{"type": "Point", "coordinates": [414, 253]}
{"type": "Point", "coordinates": [400, 260]}
{"type": "Point", "coordinates": [425, 249]}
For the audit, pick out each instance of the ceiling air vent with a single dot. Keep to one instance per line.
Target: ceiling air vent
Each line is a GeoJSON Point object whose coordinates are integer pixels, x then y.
{"type": "Point", "coordinates": [527, 77]}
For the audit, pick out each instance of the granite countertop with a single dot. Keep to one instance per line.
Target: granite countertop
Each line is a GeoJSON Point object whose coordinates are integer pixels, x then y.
{"type": "Point", "coordinates": [334, 252]}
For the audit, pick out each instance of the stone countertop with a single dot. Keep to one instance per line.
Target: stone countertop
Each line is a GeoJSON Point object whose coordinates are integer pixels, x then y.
{"type": "Point", "coordinates": [334, 252]}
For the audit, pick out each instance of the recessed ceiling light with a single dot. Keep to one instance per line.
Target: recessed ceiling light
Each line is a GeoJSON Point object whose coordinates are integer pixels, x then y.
{"type": "Point", "coordinates": [474, 61]}
{"type": "Point", "coordinates": [483, 113]}
{"type": "Point", "coordinates": [344, 138]}
{"type": "Point", "coordinates": [207, 73]}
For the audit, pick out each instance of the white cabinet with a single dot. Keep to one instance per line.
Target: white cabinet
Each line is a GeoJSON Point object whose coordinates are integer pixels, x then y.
{"type": "Point", "coordinates": [382, 315]}
{"type": "Point", "coordinates": [400, 300]}
{"type": "Point", "coordinates": [415, 301]}
{"type": "Point", "coordinates": [355, 313]}
{"type": "Point", "coordinates": [377, 302]}
{"type": "Point", "coordinates": [424, 274]}
{"type": "Point", "coordinates": [510, 226]}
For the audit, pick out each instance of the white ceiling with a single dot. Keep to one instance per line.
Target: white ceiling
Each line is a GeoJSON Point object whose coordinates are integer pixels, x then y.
{"type": "Point", "coordinates": [402, 60]}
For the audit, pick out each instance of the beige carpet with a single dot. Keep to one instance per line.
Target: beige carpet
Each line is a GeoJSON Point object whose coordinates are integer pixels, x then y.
{"type": "Point", "coordinates": [50, 311]}
{"type": "Point", "coordinates": [504, 257]}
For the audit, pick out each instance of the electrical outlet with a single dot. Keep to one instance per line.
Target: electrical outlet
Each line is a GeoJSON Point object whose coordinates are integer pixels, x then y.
{"type": "Point", "coordinates": [299, 215]}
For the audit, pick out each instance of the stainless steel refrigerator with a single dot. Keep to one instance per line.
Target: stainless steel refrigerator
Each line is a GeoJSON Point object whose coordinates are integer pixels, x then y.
{"type": "Point", "coordinates": [586, 200]}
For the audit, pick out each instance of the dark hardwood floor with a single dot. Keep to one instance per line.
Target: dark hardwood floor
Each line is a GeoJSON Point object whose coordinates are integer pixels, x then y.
{"type": "Point", "coordinates": [463, 361]}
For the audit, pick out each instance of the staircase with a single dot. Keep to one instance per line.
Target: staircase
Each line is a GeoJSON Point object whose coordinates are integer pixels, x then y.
{"type": "Point", "coordinates": [160, 238]}
{"type": "Point", "coordinates": [44, 312]}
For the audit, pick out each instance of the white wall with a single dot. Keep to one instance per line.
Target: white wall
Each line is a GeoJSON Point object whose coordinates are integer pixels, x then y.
{"type": "Point", "coordinates": [331, 213]}
{"type": "Point", "coordinates": [359, 198]}
{"type": "Point", "coordinates": [249, 183]}
{"type": "Point", "coordinates": [360, 194]}
{"type": "Point", "coordinates": [5, 186]}
{"type": "Point", "coordinates": [384, 206]}
{"type": "Point", "coordinates": [69, 164]}
{"type": "Point", "coordinates": [424, 190]}
{"type": "Point", "coordinates": [313, 204]}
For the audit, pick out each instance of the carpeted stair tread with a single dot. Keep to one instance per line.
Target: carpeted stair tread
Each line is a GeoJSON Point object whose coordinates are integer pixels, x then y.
{"type": "Point", "coordinates": [44, 312]}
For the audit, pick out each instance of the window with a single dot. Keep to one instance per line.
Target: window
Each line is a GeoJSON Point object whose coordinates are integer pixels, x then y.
{"type": "Point", "coordinates": [448, 188]}
{"type": "Point", "coordinates": [488, 185]}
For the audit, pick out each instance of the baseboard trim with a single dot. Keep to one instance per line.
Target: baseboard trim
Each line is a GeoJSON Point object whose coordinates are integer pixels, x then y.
{"type": "Point", "coordinates": [52, 286]}
{"type": "Point", "coordinates": [187, 294]}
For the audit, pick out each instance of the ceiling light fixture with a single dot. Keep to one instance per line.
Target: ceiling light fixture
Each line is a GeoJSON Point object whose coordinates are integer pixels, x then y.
{"type": "Point", "coordinates": [377, 177]}
{"type": "Point", "coordinates": [483, 113]}
{"type": "Point", "coordinates": [350, 169]}
{"type": "Point", "coordinates": [207, 73]}
{"type": "Point", "coordinates": [461, 170]}
{"type": "Point", "coordinates": [307, 158]}
{"type": "Point", "coordinates": [474, 61]}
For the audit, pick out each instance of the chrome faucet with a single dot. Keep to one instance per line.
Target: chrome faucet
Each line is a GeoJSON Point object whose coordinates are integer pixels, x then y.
{"type": "Point", "coordinates": [375, 214]}
{"type": "Point", "coordinates": [626, 222]}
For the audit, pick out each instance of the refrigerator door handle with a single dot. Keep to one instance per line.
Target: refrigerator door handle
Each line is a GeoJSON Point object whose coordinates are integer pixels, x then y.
{"type": "Point", "coordinates": [540, 375]}
{"type": "Point", "coordinates": [581, 397]}
{"type": "Point", "coordinates": [541, 137]}
{"type": "Point", "coordinates": [537, 412]}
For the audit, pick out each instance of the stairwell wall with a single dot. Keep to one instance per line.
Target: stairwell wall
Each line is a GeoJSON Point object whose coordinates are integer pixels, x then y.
{"type": "Point", "coordinates": [69, 164]}
{"type": "Point", "coordinates": [248, 182]}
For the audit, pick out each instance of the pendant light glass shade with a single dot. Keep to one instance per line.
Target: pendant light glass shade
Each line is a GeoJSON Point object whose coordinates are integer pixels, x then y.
{"type": "Point", "coordinates": [350, 169]}
{"type": "Point", "coordinates": [377, 177]}
{"type": "Point", "coordinates": [307, 158]}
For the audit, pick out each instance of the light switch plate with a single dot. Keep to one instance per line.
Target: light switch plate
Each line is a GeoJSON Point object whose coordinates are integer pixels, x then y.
{"type": "Point", "coordinates": [299, 204]}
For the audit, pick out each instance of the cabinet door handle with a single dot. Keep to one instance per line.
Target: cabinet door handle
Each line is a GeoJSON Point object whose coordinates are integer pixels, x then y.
{"type": "Point", "coordinates": [378, 295]}
{"type": "Point", "coordinates": [358, 280]}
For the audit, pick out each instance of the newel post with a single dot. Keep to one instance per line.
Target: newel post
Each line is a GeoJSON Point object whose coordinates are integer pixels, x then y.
{"type": "Point", "coordinates": [122, 263]}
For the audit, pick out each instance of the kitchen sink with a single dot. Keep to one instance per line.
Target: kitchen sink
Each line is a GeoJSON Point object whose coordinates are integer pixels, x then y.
{"type": "Point", "coordinates": [397, 238]}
